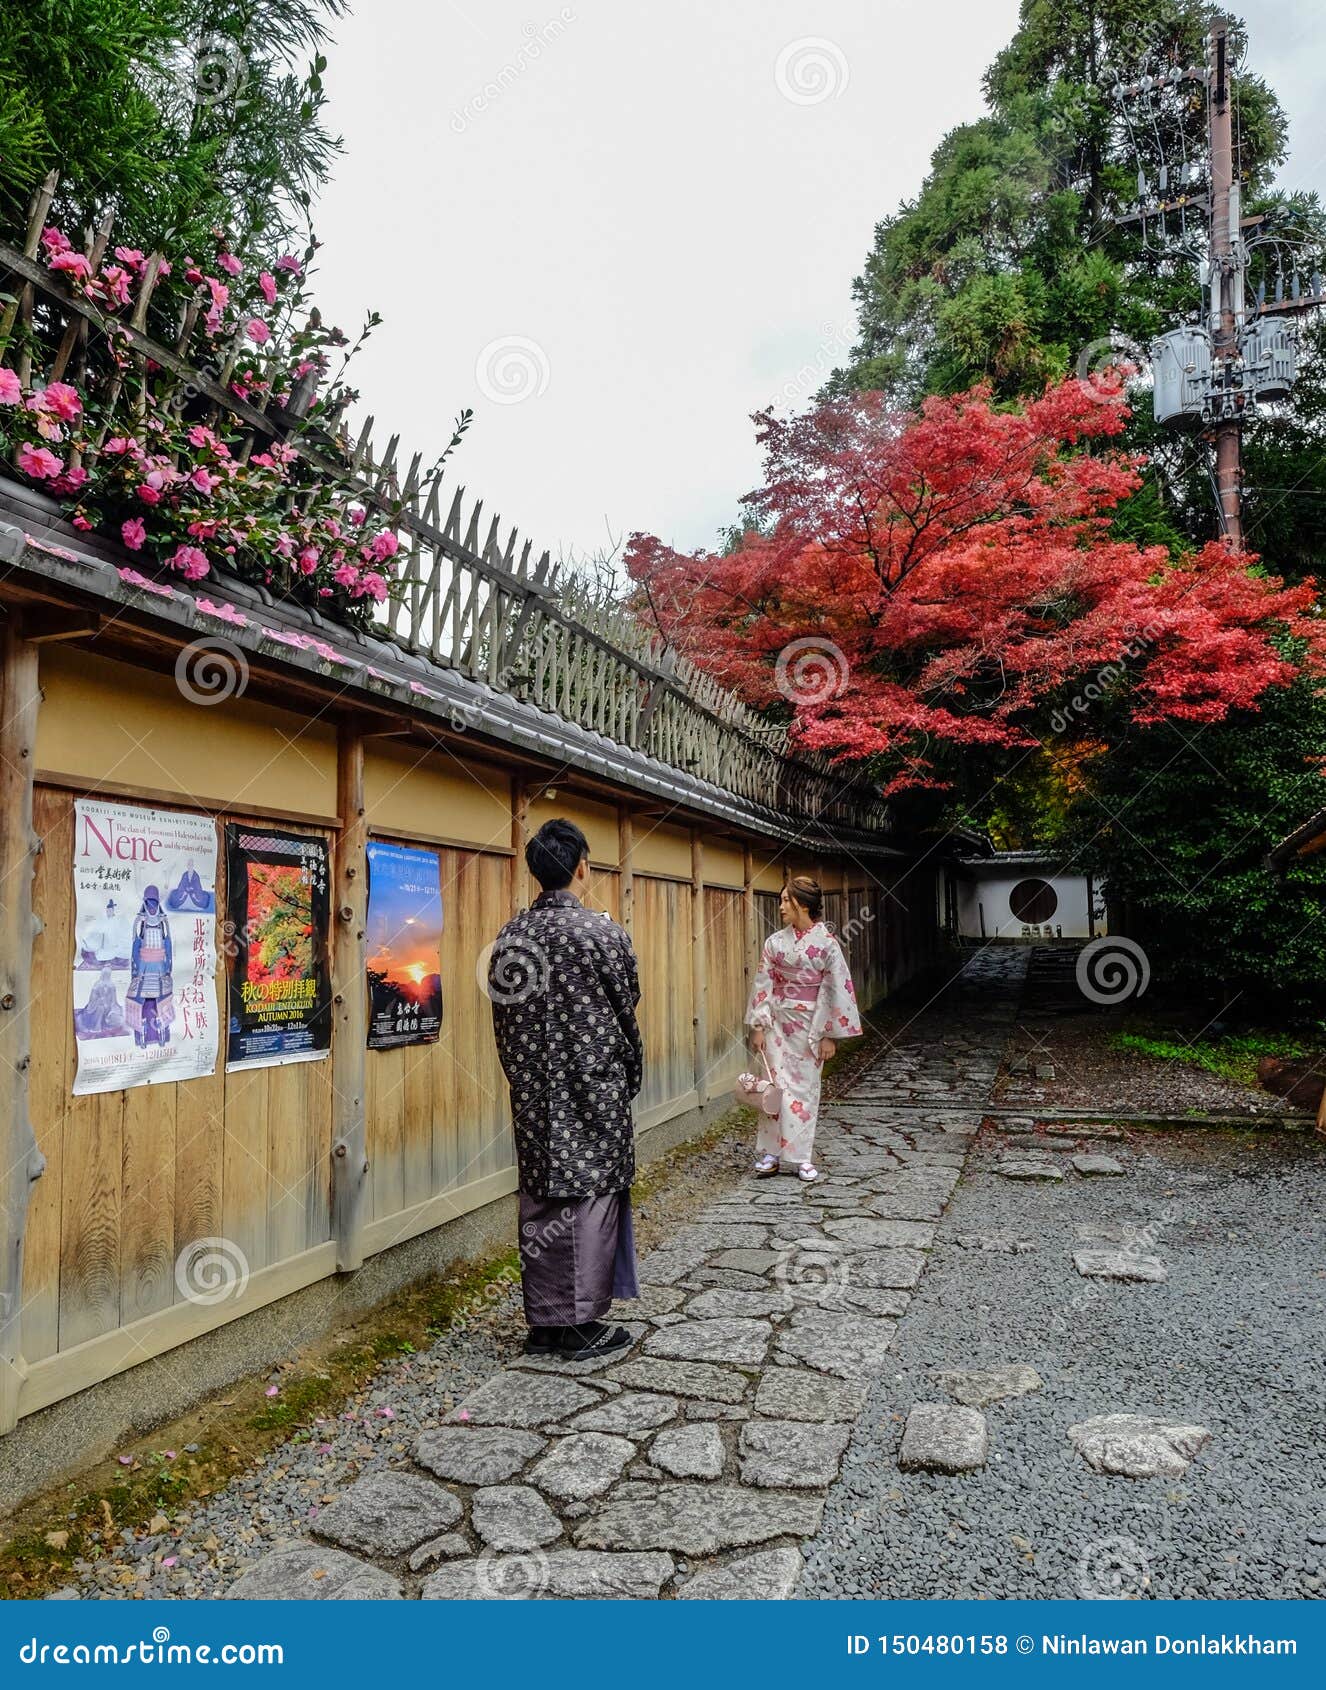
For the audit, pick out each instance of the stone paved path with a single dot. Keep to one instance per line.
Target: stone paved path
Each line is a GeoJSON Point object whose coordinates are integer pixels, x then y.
{"type": "Point", "coordinates": [697, 1464]}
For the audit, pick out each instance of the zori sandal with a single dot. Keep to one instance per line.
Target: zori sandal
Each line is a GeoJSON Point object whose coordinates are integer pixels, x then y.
{"type": "Point", "coordinates": [766, 1167]}
{"type": "Point", "coordinates": [808, 1173]}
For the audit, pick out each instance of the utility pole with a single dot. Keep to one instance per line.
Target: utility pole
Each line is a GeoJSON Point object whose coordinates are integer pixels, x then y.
{"type": "Point", "coordinates": [1228, 268]}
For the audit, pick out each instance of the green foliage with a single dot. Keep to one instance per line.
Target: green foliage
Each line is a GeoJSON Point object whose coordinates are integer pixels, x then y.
{"type": "Point", "coordinates": [1178, 822]}
{"type": "Point", "coordinates": [182, 115]}
{"type": "Point", "coordinates": [1233, 1058]}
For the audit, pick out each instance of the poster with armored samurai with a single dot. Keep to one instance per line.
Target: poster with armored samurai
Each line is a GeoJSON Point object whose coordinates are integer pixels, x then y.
{"type": "Point", "coordinates": [277, 893]}
{"type": "Point", "coordinates": [404, 946]}
{"type": "Point", "coordinates": [145, 1008]}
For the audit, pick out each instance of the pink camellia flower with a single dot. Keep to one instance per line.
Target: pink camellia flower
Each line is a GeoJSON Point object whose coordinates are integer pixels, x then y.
{"type": "Point", "coordinates": [212, 321]}
{"type": "Point", "coordinates": [219, 291]}
{"type": "Point", "coordinates": [81, 522]}
{"type": "Point", "coordinates": [200, 436]}
{"type": "Point", "coordinates": [283, 546]}
{"type": "Point", "coordinates": [133, 533]}
{"type": "Point", "coordinates": [385, 545]}
{"type": "Point", "coordinates": [263, 460]}
{"type": "Point", "coordinates": [164, 268]}
{"type": "Point", "coordinates": [60, 400]}
{"type": "Point", "coordinates": [73, 264]}
{"type": "Point", "coordinates": [289, 263]}
{"type": "Point", "coordinates": [204, 480]}
{"type": "Point", "coordinates": [11, 388]}
{"type": "Point", "coordinates": [267, 286]}
{"type": "Point", "coordinates": [54, 240]}
{"type": "Point", "coordinates": [148, 494]}
{"type": "Point", "coordinates": [257, 331]}
{"type": "Point", "coordinates": [113, 285]}
{"type": "Point", "coordinates": [229, 263]}
{"type": "Point", "coordinates": [346, 576]}
{"type": "Point", "coordinates": [131, 256]}
{"type": "Point", "coordinates": [192, 273]}
{"type": "Point", "coordinates": [307, 561]}
{"type": "Point", "coordinates": [357, 514]}
{"type": "Point", "coordinates": [70, 481]}
{"type": "Point", "coordinates": [373, 586]}
{"type": "Point", "coordinates": [204, 530]}
{"type": "Point", "coordinates": [190, 562]}
{"type": "Point", "coordinates": [38, 462]}
{"type": "Point", "coordinates": [118, 444]}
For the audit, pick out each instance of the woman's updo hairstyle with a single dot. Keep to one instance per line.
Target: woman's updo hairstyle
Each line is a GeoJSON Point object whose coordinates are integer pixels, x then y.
{"type": "Point", "coordinates": [808, 893]}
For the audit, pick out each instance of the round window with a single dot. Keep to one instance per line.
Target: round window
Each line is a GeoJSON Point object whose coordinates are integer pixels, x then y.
{"type": "Point", "coordinates": [1033, 901]}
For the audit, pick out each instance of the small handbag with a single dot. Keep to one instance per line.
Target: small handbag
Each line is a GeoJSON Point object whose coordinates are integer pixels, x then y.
{"type": "Point", "coordinates": [765, 1094]}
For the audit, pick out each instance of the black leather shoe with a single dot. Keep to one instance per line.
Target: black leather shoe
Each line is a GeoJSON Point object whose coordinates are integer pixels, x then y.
{"type": "Point", "coordinates": [587, 1343]}
{"type": "Point", "coordinates": [544, 1341]}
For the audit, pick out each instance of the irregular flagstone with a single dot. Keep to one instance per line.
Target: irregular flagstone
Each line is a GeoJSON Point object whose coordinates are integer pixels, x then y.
{"type": "Point", "coordinates": [749, 1261]}
{"type": "Point", "coordinates": [728, 1279]}
{"type": "Point", "coordinates": [632, 1412]}
{"type": "Point", "coordinates": [852, 1346]}
{"type": "Point", "coordinates": [582, 1465]}
{"type": "Point", "coordinates": [305, 1572]}
{"type": "Point", "coordinates": [1120, 1264]}
{"type": "Point", "coordinates": [444, 1548]}
{"type": "Point", "coordinates": [560, 1575]}
{"type": "Point", "coordinates": [770, 1575]}
{"type": "Point", "coordinates": [1098, 1165]}
{"type": "Point", "coordinates": [882, 1235]}
{"type": "Point", "coordinates": [941, 1439]}
{"type": "Point", "coordinates": [666, 1267]}
{"type": "Point", "coordinates": [721, 1304]}
{"type": "Point", "coordinates": [851, 1299]}
{"type": "Point", "coordinates": [685, 1378]}
{"type": "Point", "coordinates": [981, 1385]}
{"type": "Point", "coordinates": [742, 1342]}
{"type": "Point", "coordinates": [575, 1369]}
{"type": "Point", "coordinates": [653, 1300]}
{"type": "Point", "coordinates": [706, 1237]}
{"type": "Point", "coordinates": [524, 1399]}
{"type": "Point", "coordinates": [898, 1270]}
{"type": "Point", "coordinates": [388, 1514]}
{"type": "Point", "coordinates": [1029, 1167]}
{"type": "Point", "coordinates": [700, 1519]}
{"type": "Point", "coordinates": [907, 1206]}
{"type": "Point", "coordinates": [792, 1455]}
{"type": "Point", "coordinates": [476, 1455]}
{"type": "Point", "coordinates": [791, 1393]}
{"type": "Point", "coordinates": [513, 1517]}
{"type": "Point", "coordinates": [1137, 1446]}
{"type": "Point", "coordinates": [689, 1452]}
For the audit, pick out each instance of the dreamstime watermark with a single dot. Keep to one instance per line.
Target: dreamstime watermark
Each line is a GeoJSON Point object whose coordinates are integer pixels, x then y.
{"type": "Point", "coordinates": [211, 671]}
{"type": "Point", "coordinates": [1107, 365]}
{"type": "Point", "coordinates": [511, 369]}
{"type": "Point", "coordinates": [811, 376]}
{"type": "Point", "coordinates": [811, 670]}
{"type": "Point", "coordinates": [1113, 969]}
{"type": "Point", "coordinates": [1136, 1244]}
{"type": "Point", "coordinates": [811, 70]}
{"type": "Point", "coordinates": [812, 1272]}
{"type": "Point", "coordinates": [1104, 679]}
{"type": "Point", "coordinates": [1113, 1569]}
{"type": "Point", "coordinates": [512, 1577]}
{"type": "Point", "coordinates": [211, 1270]}
{"type": "Point", "coordinates": [217, 72]}
{"type": "Point", "coordinates": [512, 970]}
{"type": "Point", "coordinates": [537, 38]}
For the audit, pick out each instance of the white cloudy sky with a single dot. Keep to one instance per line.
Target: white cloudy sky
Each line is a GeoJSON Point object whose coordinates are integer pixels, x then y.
{"type": "Point", "coordinates": [649, 224]}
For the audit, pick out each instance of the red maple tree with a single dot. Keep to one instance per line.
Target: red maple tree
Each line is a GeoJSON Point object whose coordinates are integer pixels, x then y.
{"type": "Point", "coordinates": [951, 576]}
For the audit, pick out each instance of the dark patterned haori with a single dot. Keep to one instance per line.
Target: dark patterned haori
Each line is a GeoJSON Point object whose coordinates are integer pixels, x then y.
{"type": "Point", "coordinates": [564, 988]}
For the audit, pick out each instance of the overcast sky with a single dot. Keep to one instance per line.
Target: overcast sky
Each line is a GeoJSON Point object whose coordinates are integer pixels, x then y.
{"type": "Point", "coordinates": [616, 228]}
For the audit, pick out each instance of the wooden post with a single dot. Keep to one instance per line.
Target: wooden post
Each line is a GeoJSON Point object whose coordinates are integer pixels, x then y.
{"type": "Point", "coordinates": [699, 971]}
{"type": "Point", "coordinates": [748, 908]}
{"type": "Point", "coordinates": [519, 839]}
{"type": "Point", "coordinates": [21, 1163]}
{"type": "Point", "coordinates": [626, 867]}
{"type": "Point", "coordinates": [350, 1002]}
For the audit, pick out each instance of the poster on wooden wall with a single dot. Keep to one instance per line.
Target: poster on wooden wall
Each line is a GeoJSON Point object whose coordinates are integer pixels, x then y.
{"type": "Point", "coordinates": [145, 946]}
{"type": "Point", "coordinates": [404, 946]}
{"type": "Point", "coordinates": [280, 979]}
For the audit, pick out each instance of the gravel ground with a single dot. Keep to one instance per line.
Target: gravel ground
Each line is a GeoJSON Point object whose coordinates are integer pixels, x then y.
{"type": "Point", "coordinates": [1235, 1341]}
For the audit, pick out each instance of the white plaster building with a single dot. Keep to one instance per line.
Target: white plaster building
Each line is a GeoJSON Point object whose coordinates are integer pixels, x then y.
{"type": "Point", "coordinates": [1021, 896]}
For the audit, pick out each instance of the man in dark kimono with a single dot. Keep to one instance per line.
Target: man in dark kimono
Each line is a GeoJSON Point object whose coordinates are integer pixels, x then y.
{"type": "Point", "coordinates": [563, 984]}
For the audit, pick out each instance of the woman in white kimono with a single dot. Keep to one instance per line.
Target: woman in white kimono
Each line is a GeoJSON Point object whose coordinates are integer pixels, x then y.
{"type": "Point", "coordinates": [802, 1003]}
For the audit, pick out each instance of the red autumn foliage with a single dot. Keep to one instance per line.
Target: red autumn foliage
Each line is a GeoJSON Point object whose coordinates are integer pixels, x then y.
{"type": "Point", "coordinates": [949, 576]}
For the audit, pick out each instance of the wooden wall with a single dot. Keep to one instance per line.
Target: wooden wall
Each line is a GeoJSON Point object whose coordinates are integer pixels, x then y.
{"type": "Point", "coordinates": [135, 1178]}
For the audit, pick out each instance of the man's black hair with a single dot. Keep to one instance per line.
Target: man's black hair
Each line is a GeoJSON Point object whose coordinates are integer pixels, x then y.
{"type": "Point", "coordinates": [555, 853]}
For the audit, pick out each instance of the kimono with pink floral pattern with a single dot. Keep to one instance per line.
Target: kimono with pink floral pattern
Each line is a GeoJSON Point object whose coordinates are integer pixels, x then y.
{"type": "Point", "coordinates": [802, 994]}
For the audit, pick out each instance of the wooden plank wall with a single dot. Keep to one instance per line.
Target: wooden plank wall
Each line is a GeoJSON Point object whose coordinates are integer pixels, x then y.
{"type": "Point", "coordinates": [134, 1178]}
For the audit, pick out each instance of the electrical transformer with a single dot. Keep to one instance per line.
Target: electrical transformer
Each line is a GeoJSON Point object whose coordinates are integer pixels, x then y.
{"type": "Point", "coordinates": [1270, 358]}
{"type": "Point", "coordinates": [1181, 365]}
